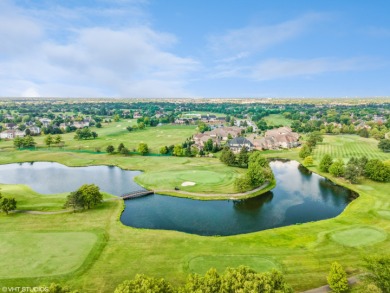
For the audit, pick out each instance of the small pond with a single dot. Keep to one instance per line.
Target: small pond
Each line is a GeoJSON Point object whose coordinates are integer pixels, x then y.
{"type": "Point", "coordinates": [299, 197]}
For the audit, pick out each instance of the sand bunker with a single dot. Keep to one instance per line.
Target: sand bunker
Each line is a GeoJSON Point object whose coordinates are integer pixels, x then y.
{"type": "Point", "coordinates": [188, 183]}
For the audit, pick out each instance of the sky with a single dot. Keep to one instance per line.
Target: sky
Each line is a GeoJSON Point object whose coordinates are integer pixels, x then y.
{"type": "Point", "coordinates": [194, 48]}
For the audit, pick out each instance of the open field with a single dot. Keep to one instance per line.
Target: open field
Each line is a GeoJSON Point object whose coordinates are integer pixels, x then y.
{"type": "Point", "coordinates": [114, 133]}
{"type": "Point", "coordinates": [277, 119]}
{"type": "Point", "coordinates": [303, 252]}
{"type": "Point", "coordinates": [347, 146]}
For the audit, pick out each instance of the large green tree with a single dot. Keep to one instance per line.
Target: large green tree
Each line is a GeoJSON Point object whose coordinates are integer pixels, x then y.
{"type": "Point", "coordinates": [87, 196]}
{"type": "Point", "coordinates": [7, 204]}
{"type": "Point", "coordinates": [143, 149]}
{"type": "Point", "coordinates": [384, 145]}
{"type": "Point", "coordinates": [325, 163]}
{"type": "Point", "coordinates": [337, 278]}
{"type": "Point", "coordinates": [145, 284]}
{"type": "Point", "coordinates": [379, 271]}
{"type": "Point", "coordinates": [337, 168]}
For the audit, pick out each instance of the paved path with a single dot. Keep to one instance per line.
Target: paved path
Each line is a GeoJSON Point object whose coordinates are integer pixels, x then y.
{"type": "Point", "coordinates": [227, 195]}
{"type": "Point", "coordinates": [324, 289]}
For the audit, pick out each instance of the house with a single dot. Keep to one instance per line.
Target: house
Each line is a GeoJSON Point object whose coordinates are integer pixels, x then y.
{"type": "Point", "coordinates": [236, 144]}
{"type": "Point", "coordinates": [45, 122]}
{"type": "Point", "coordinates": [81, 124]}
{"type": "Point", "coordinates": [282, 137]}
{"type": "Point", "coordinates": [11, 126]}
{"type": "Point", "coordinates": [137, 115]}
{"type": "Point", "coordinates": [10, 134]}
{"type": "Point", "coordinates": [34, 130]}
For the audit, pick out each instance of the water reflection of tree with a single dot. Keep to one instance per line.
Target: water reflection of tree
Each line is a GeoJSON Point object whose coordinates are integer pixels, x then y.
{"type": "Point", "coordinates": [304, 170]}
{"type": "Point", "coordinates": [338, 194]}
{"type": "Point", "coordinates": [254, 203]}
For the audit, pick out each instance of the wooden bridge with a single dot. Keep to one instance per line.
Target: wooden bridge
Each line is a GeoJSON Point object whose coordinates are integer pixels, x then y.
{"type": "Point", "coordinates": [135, 194]}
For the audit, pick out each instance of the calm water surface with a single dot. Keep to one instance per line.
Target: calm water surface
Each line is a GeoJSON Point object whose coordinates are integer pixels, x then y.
{"type": "Point", "coordinates": [299, 197]}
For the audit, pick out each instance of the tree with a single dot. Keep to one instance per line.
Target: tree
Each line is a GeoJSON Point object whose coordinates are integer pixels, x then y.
{"type": "Point", "coordinates": [337, 278]}
{"type": "Point", "coordinates": [48, 140]}
{"type": "Point", "coordinates": [74, 200]}
{"type": "Point", "coordinates": [325, 163]}
{"type": "Point", "coordinates": [314, 138]}
{"type": "Point", "coordinates": [308, 161]}
{"type": "Point", "coordinates": [384, 145]}
{"type": "Point", "coordinates": [143, 284]}
{"type": "Point", "coordinates": [110, 149]}
{"type": "Point", "coordinates": [120, 147]}
{"type": "Point", "coordinates": [305, 151]}
{"type": "Point", "coordinates": [141, 125]}
{"type": "Point", "coordinates": [124, 151]}
{"type": "Point", "coordinates": [379, 271]}
{"type": "Point", "coordinates": [337, 168]}
{"type": "Point", "coordinates": [94, 134]}
{"type": "Point", "coordinates": [351, 173]}
{"type": "Point", "coordinates": [91, 195]}
{"type": "Point", "coordinates": [177, 150]}
{"type": "Point", "coordinates": [7, 204]}
{"type": "Point", "coordinates": [28, 142]}
{"type": "Point", "coordinates": [129, 128]}
{"type": "Point", "coordinates": [98, 125]}
{"type": "Point", "coordinates": [143, 149]}
{"type": "Point", "coordinates": [377, 171]}
{"type": "Point", "coordinates": [208, 145]}
{"type": "Point", "coordinates": [164, 150]}
{"type": "Point", "coordinates": [57, 139]}
{"type": "Point", "coordinates": [116, 118]}
{"type": "Point", "coordinates": [243, 157]}
{"type": "Point", "coordinates": [227, 157]}
{"type": "Point", "coordinates": [18, 142]}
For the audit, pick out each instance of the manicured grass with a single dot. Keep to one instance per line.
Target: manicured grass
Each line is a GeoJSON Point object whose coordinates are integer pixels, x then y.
{"type": "Point", "coordinates": [385, 214]}
{"type": "Point", "coordinates": [277, 119]}
{"type": "Point", "coordinates": [202, 264]}
{"type": "Point", "coordinates": [43, 254]}
{"type": "Point", "coordinates": [347, 146]}
{"type": "Point", "coordinates": [303, 252]}
{"type": "Point", "coordinates": [115, 133]}
{"type": "Point", "coordinates": [359, 236]}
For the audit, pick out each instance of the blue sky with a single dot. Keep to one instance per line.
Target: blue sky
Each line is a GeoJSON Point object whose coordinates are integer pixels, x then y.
{"type": "Point", "coordinates": [194, 48]}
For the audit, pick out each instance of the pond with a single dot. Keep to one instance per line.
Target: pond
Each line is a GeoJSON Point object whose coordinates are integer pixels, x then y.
{"type": "Point", "coordinates": [299, 197]}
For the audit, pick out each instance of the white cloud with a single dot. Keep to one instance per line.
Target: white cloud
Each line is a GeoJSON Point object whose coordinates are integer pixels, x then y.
{"type": "Point", "coordinates": [104, 61]}
{"type": "Point", "coordinates": [283, 68]}
{"type": "Point", "coordinates": [259, 38]}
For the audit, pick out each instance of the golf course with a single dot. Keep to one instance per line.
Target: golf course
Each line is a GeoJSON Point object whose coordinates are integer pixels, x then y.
{"type": "Point", "coordinates": [93, 251]}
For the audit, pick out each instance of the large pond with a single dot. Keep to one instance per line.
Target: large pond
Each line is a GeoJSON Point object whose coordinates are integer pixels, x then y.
{"type": "Point", "coordinates": [299, 197]}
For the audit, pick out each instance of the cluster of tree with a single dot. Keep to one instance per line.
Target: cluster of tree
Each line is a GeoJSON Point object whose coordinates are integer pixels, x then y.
{"type": "Point", "coordinates": [307, 149]}
{"type": "Point", "coordinates": [24, 142]}
{"type": "Point", "coordinates": [7, 204]}
{"type": "Point", "coordinates": [229, 158]}
{"type": "Point", "coordinates": [187, 149]}
{"type": "Point", "coordinates": [258, 173]}
{"type": "Point", "coordinates": [384, 145]}
{"type": "Point", "coordinates": [85, 133]}
{"type": "Point", "coordinates": [241, 279]}
{"type": "Point", "coordinates": [57, 140]}
{"type": "Point", "coordinates": [142, 149]}
{"type": "Point", "coordinates": [87, 196]}
{"type": "Point", "coordinates": [377, 277]}
{"type": "Point", "coordinates": [373, 169]}
{"type": "Point", "coordinates": [140, 125]}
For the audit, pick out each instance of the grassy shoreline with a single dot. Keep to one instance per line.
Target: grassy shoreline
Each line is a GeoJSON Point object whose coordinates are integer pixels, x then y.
{"type": "Point", "coordinates": [303, 252]}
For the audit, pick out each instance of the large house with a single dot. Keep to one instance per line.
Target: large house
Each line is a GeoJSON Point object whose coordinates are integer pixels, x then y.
{"type": "Point", "coordinates": [282, 137]}
{"type": "Point", "coordinates": [217, 135]}
{"type": "Point", "coordinates": [236, 144]}
{"type": "Point", "coordinates": [10, 134]}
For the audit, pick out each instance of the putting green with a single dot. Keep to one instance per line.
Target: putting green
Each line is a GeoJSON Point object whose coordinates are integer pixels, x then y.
{"type": "Point", "coordinates": [385, 214]}
{"type": "Point", "coordinates": [201, 264]}
{"type": "Point", "coordinates": [46, 254]}
{"type": "Point", "coordinates": [360, 236]}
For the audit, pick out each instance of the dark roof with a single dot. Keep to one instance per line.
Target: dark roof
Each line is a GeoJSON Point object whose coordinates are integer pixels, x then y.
{"type": "Point", "coordinates": [239, 140]}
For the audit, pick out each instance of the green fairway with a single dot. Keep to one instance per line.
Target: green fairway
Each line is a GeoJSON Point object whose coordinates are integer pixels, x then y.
{"type": "Point", "coordinates": [42, 254]}
{"type": "Point", "coordinates": [347, 146]}
{"type": "Point", "coordinates": [302, 252]}
{"type": "Point", "coordinates": [359, 236]}
{"type": "Point", "coordinates": [115, 133]}
{"type": "Point", "coordinates": [385, 214]}
{"type": "Point", "coordinates": [202, 264]}
{"type": "Point", "coordinates": [276, 120]}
